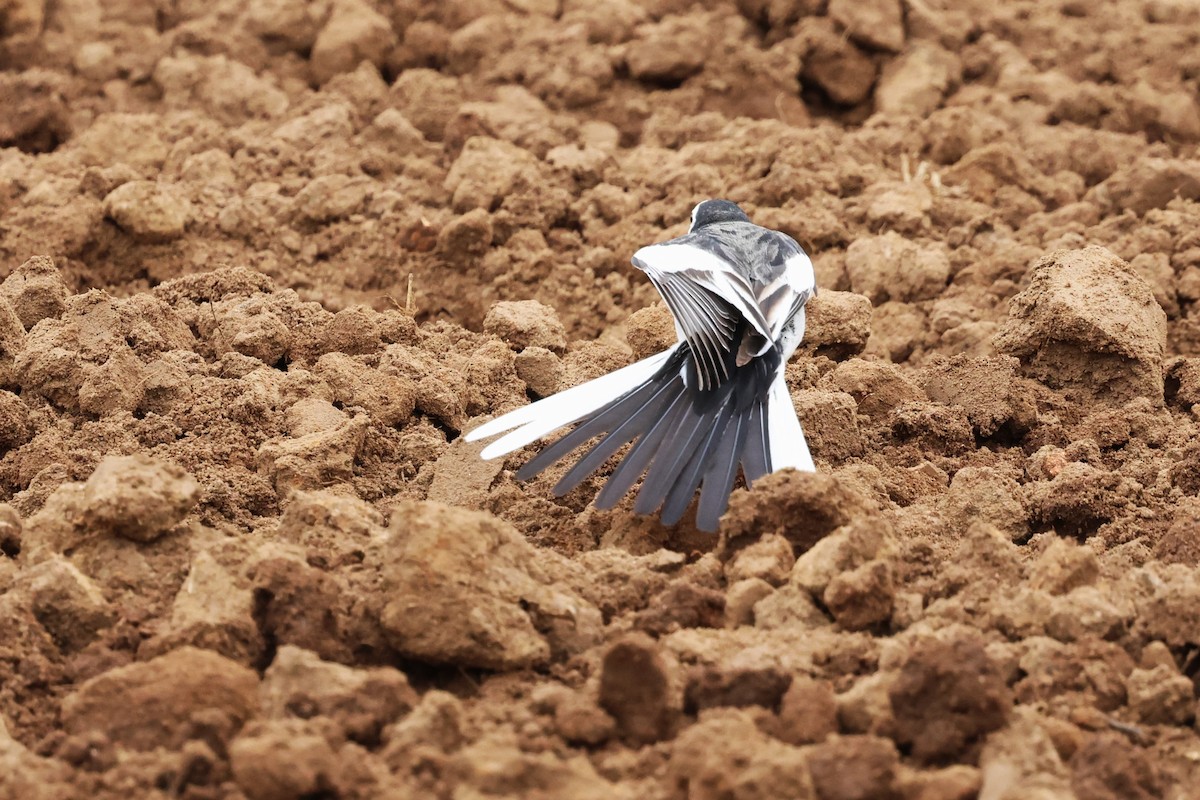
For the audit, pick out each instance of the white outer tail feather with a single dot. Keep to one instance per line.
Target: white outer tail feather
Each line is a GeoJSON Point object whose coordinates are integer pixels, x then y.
{"type": "Point", "coordinates": [785, 436]}
{"type": "Point", "coordinates": [536, 420]}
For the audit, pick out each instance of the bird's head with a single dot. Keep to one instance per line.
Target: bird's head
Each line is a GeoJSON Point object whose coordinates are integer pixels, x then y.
{"type": "Point", "coordinates": [710, 211]}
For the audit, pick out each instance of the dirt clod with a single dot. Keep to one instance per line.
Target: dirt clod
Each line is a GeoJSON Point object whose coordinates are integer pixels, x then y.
{"type": "Point", "coordinates": [160, 703]}
{"type": "Point", "coordinates": [1090, 326]}
{"type": "Point", "coordinates": [636, 689]}
{"type": "Point", "coordinates": [526, 323]}
{"type": "Point", "coordinates": [137, 497]}
{"type": "Point", "coordinates": [507, 617]}
{"type": "Point", "coordinates": [35, 290]}
{"type": "Point", "coordinates": [948, 695]}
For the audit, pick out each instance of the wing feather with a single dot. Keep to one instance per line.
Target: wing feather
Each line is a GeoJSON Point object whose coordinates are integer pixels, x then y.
{"type": "Point", "coordinates": [705, 270]}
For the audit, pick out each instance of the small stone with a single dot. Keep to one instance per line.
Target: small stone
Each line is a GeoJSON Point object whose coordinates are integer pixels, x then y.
{"type": "Point", "coordinates": [984, 493]}
{"type": "Point", "coordinates": [212, 611]}
{"type": "Point", "coordinates": [789, 606]}
{"type": "Point", "coordinates": [580, 720]}
{"type": "Point", "coordinates": [138, 497]}
{"type": "Point", "coordinates": [487, 171]}
{"type": "Point", "coordinates": [389, 399]}
{"type": "Point", "coordinates": [866, 707]}
{"type": "Point", "coordinates": [830, 422]}
{"type": "Point", "coordinates": [36, 115]}
{"type": "Point", "coordinates": [636, 688]}
{"type": "Point", "coordinates": [902, 206]}
{"type": "Point", "coordinates": [12, 341]}
{"type": "Point", "coordinates": [803, 507]}
{"type": "Point", "coordinates": [118, 384]}
{"type": "Point", "coordinates": [319, 452]}
{"type": "Point", "coordinates": [988, 388]}
{"type": "Point", "coordinates": [845, 73]}
{"type": "Point", "coordinates": [429, 100]}
{"type": "Point", "coordinates": [10, 531]}
{"type": "Point", "coordinates": [461, 477]}
{"type": "Point", "coordinates": [494, 767]}
{"type": "Point", "coordinates": [96, 61]}
{"type": "Point", "coordinates": [897, 330]}
{"type": "Point", "coordinates": [948, 696]}
{"type": "Point", "coordinates": [712, 687]}
{"type": "Point", "coordinates": [437, 722]}
{"type": "Point", "coordinates": [1089, 611]}
{"type": "Point", "coordinates": [651, 330]}
{"type": "Point", "coordinates": [1150, 183]}
{"type": "Point", "coordinates": [15, 429]}
{"type": "Point", "coordinates": [544, 8]}
{"type": "Point", "coordinates": [328, 198]}
{"type": "Point", "coordinates": [669, 51]}
{"type": "Point", "coordinates": [849, 547]}
{"type": "Point", "coordinates": [1021, 760]}
{"type": "Point", "coordinates": [1156, 654]}
{"type": "Point", "coordinates": [465, 239]}
{"type": "Point", "coordinates": [862, 597]}
{"type": "Point", "coordinates": [703, 758]}
{"type": "Point", "coordinates": [295, 23]}
{"type": "Point", "coordinates": [1088, 325]}
{"type": "Point", "coordinates": [1064, 566]}
{"type": "Point", "coordinates": [957, 782]}
{"type": "Point", "coordinates": [149, 211]}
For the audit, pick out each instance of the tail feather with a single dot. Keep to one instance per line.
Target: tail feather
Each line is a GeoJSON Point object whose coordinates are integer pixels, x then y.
{"type": "Point", "coordinates": [684, 438]}
{"type": "Point", "coordinates": [689, 479]}
{"type": "Point", "coordinates": [788, 446]}
{"type": "Point", "coordinates": [617, 413]}
{"type": "Point", "coordinates": [636, 424]}
{"type": "Point", "coordinates": [642, 452]}
{"type": "Point", "coordinates": [721, 473]}
{"type": "Point", "coordinates": [536, 420]}
{"type": "Point", "coordinates": [756, 456]}
{"type": "Point", "coordinates": [678, 447]}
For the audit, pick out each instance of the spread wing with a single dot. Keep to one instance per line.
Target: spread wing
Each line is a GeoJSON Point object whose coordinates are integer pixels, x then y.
{"type": "Point", "coordinates": [708, 298]}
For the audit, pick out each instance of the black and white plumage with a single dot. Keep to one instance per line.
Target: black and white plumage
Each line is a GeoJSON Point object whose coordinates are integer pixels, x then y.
{"type": "Point", "coordinates": [713, 402]}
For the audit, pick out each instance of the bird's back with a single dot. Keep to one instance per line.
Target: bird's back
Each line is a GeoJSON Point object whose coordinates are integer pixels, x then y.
{"type": "Point", "coordinates": [757, 253]}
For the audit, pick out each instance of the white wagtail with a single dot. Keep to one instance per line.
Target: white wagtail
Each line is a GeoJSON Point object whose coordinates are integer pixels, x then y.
{"type": "Point", "coordinates": [713, 401]}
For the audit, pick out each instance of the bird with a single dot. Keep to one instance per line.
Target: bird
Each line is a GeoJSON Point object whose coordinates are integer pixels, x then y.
{"type": "Point", "coordinates": [714, 401]}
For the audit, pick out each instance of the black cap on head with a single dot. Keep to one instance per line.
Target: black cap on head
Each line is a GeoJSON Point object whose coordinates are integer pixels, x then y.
{"type": "Point", "coordinates": [711, 211]}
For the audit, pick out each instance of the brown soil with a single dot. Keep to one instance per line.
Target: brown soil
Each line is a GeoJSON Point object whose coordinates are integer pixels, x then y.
{"type": "Point", "coordinates": [245, 554]}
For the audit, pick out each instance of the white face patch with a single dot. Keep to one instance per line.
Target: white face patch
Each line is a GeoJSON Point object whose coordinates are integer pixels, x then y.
{"type": "Point", "coordinates": [692, 227]}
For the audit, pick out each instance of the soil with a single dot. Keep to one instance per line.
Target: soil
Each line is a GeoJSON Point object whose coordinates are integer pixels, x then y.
{"type": "Point", "coordinates": [263, 263]}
